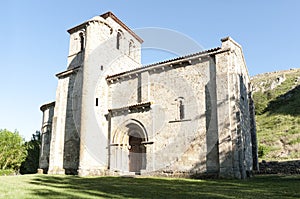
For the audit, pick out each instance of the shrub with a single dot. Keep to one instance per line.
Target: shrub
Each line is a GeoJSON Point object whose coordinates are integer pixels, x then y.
{"type": "Point", "coordinates": [5, 172]}
{"type": "Point", "coordinates": [263, 151]}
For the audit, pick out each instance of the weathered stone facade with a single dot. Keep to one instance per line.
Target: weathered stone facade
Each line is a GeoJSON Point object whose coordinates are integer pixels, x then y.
{"type": "Point", "coordinates": [189, 116]}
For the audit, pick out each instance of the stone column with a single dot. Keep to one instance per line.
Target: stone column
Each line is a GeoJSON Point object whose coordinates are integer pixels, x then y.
{"type": "Point", "coordinates": [212, 146]}
{"type": "Point", "coordinates": [236, 130]}
{"type": "Point", "coordinates": [58, 128]}
{"type": "Point", "coordinates": [253, 133]}
{"type": "Point", "coordinates": [224, 114]}
{"type": "Point", "coordinates": [48, 110]}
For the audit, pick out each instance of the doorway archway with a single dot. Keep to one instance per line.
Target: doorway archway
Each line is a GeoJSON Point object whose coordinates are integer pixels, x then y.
{"type": "Point", "coordinates": [137, 152]}
{"type": "Point", "coordinates": [129, 151]}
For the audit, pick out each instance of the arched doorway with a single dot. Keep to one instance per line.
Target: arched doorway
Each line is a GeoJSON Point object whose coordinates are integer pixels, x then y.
{"type": "Point", "coordinates": [137, 153]}
{"type": "Point", "coordinates": [128, 151]}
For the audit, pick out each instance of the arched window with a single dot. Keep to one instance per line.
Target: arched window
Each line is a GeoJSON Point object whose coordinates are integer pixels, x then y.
{"type": "Point", "coordinates": [119, 37]}
{"type": "Point", "coordinates": [131, 52]}
{"type": "Point", "coordinates": [81, 41]}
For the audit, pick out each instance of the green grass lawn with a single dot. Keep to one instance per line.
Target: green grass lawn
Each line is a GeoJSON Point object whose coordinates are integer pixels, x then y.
{"type": "Point", "coordinates": [49, 186]}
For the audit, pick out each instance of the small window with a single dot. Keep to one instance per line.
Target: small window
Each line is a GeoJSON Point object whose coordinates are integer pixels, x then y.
{"type": "Point", "coordinates": [81, 41]}
{"type": "Point", "coordinates": [119, 37]}
{"type": "Point", "coordinates": [96, 101]}
{"type": "Point", "coordinates": [180, 108]}
{"type": "Point", "coordinates": [130, 48]}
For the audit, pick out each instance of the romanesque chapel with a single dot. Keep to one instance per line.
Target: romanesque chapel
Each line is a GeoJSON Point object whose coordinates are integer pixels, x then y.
{"type": "Point", "coordinates": [191, 116]}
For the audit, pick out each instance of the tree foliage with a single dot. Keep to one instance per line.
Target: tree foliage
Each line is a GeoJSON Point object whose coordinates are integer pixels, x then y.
{"type": "Point", "coordinates": [12, 150]}
{"type": "Point", "coordinates": [31, 164]}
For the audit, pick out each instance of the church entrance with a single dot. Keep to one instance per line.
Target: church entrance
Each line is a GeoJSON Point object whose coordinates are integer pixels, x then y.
{"type": "Point", "coordinates": [127, 148]}
{"type": "Point", "coordinates": [137, 152]}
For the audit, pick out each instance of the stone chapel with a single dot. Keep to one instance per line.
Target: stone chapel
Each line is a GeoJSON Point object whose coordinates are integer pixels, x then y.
{"type": "Point", "coordinates": [191, 116]}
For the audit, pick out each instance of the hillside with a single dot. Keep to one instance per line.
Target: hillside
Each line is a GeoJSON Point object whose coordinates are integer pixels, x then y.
{"type": "Point", "coordinates": [277, 106]}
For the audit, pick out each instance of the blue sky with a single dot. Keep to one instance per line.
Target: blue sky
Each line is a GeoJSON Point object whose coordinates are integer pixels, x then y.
{"type": "Point", "coordinates": [34, 41]}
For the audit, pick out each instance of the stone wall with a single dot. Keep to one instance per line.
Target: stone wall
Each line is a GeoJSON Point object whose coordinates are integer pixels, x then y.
{"type": "Point", "coordinates": [274, 167]}
{"type": "Point", "coordinates": [179, 141]}
{"type": "Point", "coordinates": [211, 136]}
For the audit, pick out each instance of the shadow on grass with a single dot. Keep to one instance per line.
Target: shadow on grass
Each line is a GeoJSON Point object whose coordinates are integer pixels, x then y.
{"type": "Point", "coordinates": [118, 187]}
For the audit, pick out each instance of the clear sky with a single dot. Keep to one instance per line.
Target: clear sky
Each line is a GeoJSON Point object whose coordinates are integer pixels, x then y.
{"type": "Point", "coordinates": [34, 41]}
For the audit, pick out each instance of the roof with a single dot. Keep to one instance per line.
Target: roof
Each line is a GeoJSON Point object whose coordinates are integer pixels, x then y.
{"type": "Point", "coordinates": [141, 105]}
{"type": "Point", "coordinates": [186, 56]}
{"type": "Point", "coordinates": [171, 61]}
{"type": "Point", "coordinates": [111, 15]}
{"type": "Point", "coordinates": [67, 72]}
{"type": "Point", "coordinates": [105, 16]}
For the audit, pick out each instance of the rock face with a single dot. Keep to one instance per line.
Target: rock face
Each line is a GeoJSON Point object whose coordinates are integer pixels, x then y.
{"type": "Point", "coordinates": [271, 80]}
{"type": "Point", "coordinates": [192, 116]}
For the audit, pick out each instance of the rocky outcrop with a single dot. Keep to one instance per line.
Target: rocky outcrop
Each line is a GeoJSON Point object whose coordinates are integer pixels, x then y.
{"type": "Point", "coordinates": [269, 81]}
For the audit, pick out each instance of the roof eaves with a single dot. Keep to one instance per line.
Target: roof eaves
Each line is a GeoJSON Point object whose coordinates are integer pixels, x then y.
{"type": "Point", "coordinates": [178, 59]}
{"type": "Point", "coordinates": [45, 106]}
{"type": "Point", "coordinates": [105, 16]}
{"type": "Point", "coordinates": [141, 105]}
{"type": "Point", "coordinates": [114, 17]}
{"type": "Point", "coordinates": [67, 72]}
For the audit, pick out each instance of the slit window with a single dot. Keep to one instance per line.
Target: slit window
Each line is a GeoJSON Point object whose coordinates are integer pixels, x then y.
{"type": "Point", "coordinates": [119, 37]}
{"type": "Point", "coordinates": [130, 48]}
{"type": "Point", "coordinates": [180, 108]}
{"type": "Point", "coordinates": [81, 41]}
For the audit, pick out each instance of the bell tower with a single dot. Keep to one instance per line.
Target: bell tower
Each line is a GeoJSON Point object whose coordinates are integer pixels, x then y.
{"type": "Point", "coordinates": [98, 47]}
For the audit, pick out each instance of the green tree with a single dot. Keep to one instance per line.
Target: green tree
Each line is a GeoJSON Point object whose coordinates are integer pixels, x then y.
{"type": "Point", "coordinates": [12, 150]}
{"type": "Point", "coordinates": [31, 164]}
